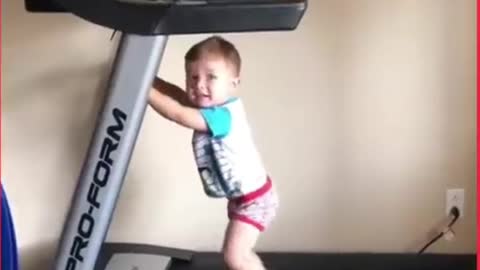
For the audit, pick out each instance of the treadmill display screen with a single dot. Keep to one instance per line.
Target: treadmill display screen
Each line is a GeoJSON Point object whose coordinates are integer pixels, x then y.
{"type": "Point", "coordinates": [164, 2]}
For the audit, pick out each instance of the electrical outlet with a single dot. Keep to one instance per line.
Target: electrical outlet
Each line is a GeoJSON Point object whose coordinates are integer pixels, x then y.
{"type": "Point", "coordinates": [455, 197]}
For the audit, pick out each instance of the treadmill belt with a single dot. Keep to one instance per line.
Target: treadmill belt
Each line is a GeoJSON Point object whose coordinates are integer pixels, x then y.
{"type": "Point", "coordinates": [338, 261]}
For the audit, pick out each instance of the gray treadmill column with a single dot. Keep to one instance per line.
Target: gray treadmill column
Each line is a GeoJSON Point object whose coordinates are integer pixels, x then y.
{"type": "Point", "coordinates": [85, 229]}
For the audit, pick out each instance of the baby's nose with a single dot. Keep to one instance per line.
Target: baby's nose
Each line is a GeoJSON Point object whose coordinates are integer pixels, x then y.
{"type": "Point", "coordinates": [201, 84]}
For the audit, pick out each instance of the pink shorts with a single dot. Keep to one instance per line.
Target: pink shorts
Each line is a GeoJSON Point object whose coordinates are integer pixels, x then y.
{"type": "Point", "coordinates": [258, 208]}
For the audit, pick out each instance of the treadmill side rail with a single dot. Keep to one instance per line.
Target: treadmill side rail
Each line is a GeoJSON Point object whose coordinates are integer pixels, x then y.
{"type": "Point", "coordinates": [142, 256]}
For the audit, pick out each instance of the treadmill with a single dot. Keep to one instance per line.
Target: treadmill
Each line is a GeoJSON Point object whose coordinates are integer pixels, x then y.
{"type": "Point", "coordinates": [145, 26]}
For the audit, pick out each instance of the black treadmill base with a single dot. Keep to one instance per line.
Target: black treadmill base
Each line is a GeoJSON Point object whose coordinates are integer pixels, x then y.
{"type": "Point", "coordinates": [338, 261]}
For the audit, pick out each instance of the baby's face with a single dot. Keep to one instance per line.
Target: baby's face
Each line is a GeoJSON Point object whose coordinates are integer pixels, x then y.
{"type": "Point", "coordinates": [210, 81]}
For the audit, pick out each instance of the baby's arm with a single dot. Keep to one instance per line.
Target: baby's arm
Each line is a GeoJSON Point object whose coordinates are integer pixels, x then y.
{"type": "Point", "coordinates": [172, 103]}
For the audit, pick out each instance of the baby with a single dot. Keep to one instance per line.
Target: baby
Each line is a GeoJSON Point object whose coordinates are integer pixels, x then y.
{"type": "Point", "coordinates": [227, 160]}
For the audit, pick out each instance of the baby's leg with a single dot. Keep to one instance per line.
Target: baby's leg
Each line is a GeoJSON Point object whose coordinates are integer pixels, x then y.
{"type": "Point", "coordinates": [248, 219]}
{"type": "Point", "coordinates": [238, 248]}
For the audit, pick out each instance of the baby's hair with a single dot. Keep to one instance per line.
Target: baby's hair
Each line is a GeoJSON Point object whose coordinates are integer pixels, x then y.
{"type": "Point", "coordinates": [216, 45]}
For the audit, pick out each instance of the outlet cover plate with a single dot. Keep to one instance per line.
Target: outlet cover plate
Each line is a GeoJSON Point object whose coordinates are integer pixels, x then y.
{"type": "Point", "coordinates": [455, 197]}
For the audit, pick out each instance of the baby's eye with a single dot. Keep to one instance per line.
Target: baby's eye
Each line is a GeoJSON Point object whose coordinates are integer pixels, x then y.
{"type": "Point", "coordinates": [212, 76]}
{"type": "Point", "coordinates": [194, 77]}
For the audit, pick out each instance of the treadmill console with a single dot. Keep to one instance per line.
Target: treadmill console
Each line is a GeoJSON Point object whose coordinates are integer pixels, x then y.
{"type": "Point", "coordinates": [168, 17]}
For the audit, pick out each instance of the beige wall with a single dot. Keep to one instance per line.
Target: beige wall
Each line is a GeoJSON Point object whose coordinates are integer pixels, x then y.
{"type": "Point", "coordinates": [365, 115]}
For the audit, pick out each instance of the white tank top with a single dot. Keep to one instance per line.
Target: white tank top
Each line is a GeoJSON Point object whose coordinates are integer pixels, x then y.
{"type": "Point", "coordinates": [227, 159]}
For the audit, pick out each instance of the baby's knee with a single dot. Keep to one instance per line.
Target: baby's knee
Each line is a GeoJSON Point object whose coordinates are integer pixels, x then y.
{"type": "Point", "coordinates": [234, 259]}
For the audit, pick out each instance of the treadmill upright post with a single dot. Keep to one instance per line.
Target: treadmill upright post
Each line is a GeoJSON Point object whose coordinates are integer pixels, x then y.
{"type": "Point", "coordinates": [91, 210]}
